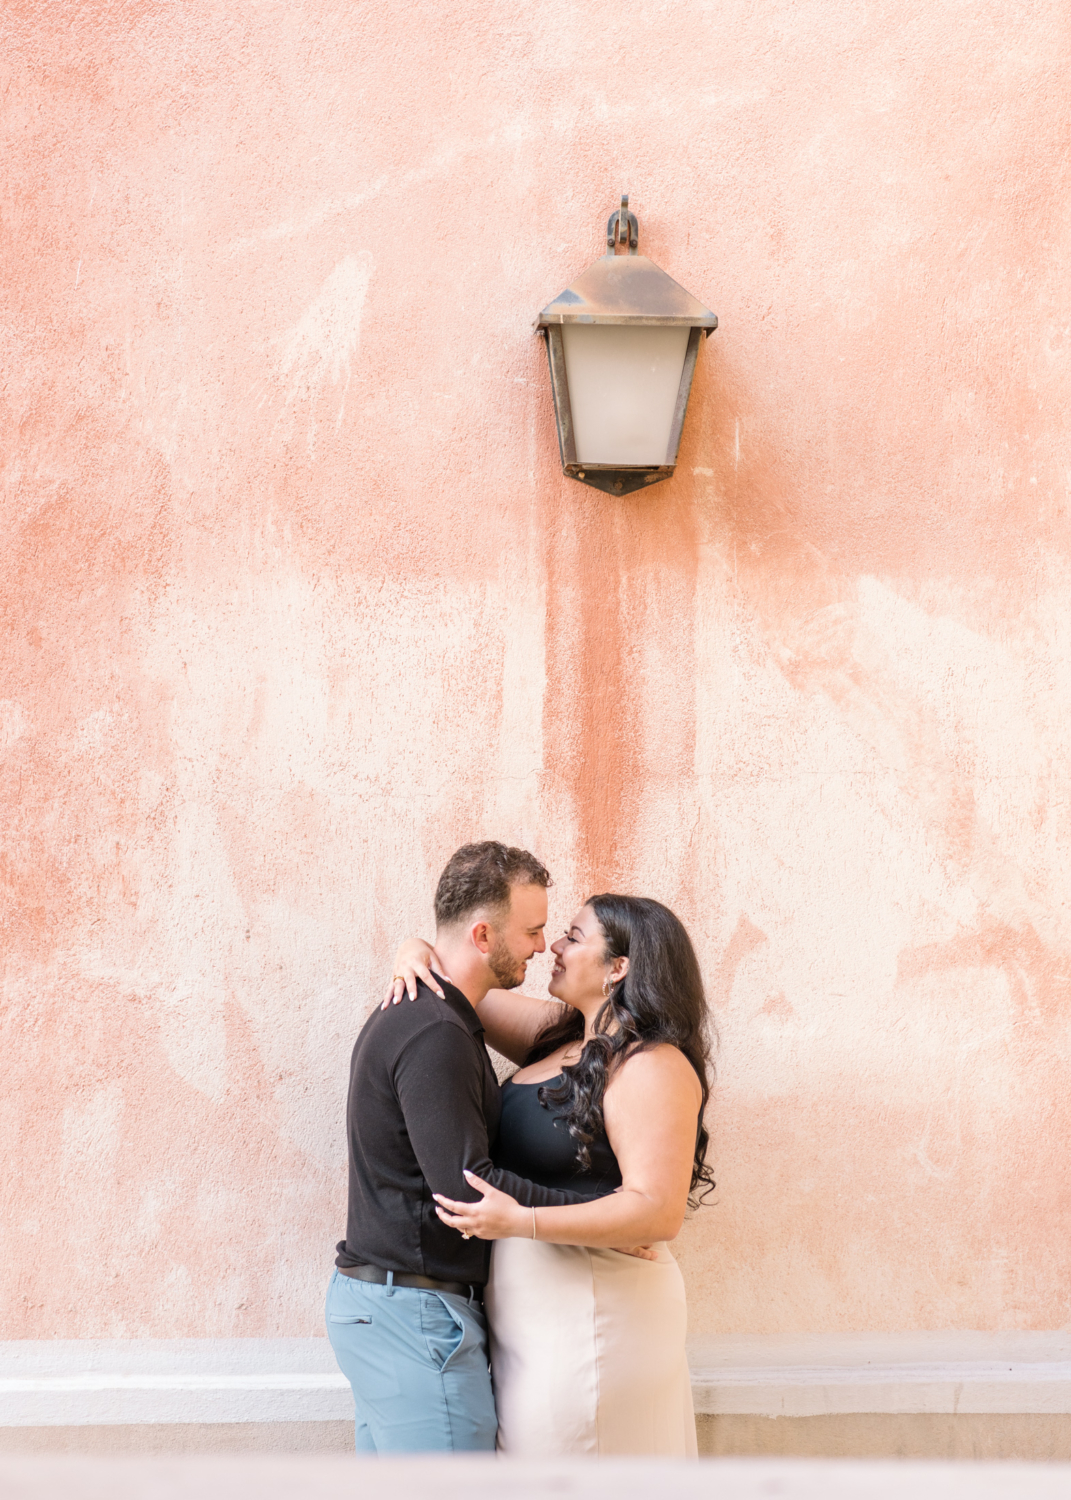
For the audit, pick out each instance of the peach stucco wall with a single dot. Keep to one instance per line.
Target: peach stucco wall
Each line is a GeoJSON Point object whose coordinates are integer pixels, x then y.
{"type": "Point", "coordinates": [296, 599]}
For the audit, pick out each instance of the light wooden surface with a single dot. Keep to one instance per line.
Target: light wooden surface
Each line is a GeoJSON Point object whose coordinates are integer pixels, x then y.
{"type": "Point", "coordinates": [484, 1478]}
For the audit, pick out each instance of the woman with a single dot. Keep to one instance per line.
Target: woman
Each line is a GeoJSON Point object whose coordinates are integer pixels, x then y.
{"type": "Point", "coordinates": [587, 1342]}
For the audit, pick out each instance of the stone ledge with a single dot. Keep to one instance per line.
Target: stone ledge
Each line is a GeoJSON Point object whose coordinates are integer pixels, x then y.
{"type": "Point", "coordinates": [74, 1383]}
{"type": "Point", "coordinates": [1025, 1437]}
{"type": "Point", "coordinates": [808, 1375]}
{"type": "Point", "coordinates": [71, 1383]}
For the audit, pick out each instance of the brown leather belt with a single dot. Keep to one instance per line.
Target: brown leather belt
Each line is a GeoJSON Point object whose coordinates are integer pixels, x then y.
{"type": "Point", "coordinates": [409, 1278]}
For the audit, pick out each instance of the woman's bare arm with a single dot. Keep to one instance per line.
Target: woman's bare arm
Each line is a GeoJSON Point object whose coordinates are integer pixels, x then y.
{"type": "Point", "coordinates": [512, 1021]}
{"type": "Point", "coordinates": [651, 1108]}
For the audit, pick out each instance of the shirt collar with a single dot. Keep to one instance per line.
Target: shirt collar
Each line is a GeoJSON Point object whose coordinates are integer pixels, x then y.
{"type": "Point", "coordinates": [462, 1005]}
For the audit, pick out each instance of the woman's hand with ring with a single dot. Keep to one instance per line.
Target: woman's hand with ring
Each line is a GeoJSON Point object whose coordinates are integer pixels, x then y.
{"type": "Point", "coordinates": [414, 960]}
{"type": "Point", "coordinates": [496, 1216]}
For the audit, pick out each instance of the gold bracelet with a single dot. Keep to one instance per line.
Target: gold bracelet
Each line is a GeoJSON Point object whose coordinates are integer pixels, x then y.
{"type": "Point", "coordinates": [533, 1221]}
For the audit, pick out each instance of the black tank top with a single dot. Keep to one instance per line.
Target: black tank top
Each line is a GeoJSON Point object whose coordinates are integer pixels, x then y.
{"type": "Point", "coordinates": [535, 1144]}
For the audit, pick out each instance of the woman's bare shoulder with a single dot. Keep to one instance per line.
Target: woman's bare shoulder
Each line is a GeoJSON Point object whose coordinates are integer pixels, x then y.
{"type": "Point", "coordinates": [660, 1067]}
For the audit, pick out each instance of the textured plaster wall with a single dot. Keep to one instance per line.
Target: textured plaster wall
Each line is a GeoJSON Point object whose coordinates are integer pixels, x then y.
{"type": "Point", "coordinates": [295, 599]}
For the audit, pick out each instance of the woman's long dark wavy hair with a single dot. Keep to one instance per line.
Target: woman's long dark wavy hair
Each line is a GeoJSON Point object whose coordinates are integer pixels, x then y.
{"type": "Point", "coordinates": [660, 999]}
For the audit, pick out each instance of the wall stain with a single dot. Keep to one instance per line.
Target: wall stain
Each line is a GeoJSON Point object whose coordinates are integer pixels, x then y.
{"type": "Point", "coordinates": [1037, 976]}
{"type": "Point", "coordinates": [745, 939]}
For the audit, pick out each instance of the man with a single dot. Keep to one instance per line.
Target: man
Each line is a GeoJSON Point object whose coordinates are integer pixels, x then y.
{"type": "Point", "coordinates": [404, 1308]}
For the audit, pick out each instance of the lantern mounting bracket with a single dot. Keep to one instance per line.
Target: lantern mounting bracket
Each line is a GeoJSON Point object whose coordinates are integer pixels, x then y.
{"type": "Point", "coordinates": [622, 229]}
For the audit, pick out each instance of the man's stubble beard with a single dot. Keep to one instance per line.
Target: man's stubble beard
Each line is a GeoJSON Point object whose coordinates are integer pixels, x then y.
{"type": "Point", "coordinates": [508, 971]}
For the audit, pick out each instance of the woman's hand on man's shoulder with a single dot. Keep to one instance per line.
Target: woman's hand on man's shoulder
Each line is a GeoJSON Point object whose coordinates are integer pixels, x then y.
{"type": "Point", "coordinates": [413, 961]}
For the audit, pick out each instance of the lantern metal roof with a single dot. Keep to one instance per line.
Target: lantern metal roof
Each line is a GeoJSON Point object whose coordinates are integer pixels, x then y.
{"type": "Point", "coordinates": [627, 289]}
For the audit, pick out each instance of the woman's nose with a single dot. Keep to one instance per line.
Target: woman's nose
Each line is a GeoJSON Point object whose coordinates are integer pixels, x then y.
{"type": "Point", "coordinates": [558, 947]}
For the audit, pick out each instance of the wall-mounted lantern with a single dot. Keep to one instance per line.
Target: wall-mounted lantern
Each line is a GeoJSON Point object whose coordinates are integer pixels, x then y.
{"type": "Point", "coordinates": [622, 343]}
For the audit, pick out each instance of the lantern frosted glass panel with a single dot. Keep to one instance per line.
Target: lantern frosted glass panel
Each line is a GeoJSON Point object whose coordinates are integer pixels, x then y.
{"type": "Point", "coordinates": [623, 385]}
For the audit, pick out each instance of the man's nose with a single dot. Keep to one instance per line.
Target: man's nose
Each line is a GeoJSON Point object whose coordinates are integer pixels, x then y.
{"type": "Point", "coordinates": [541, 944]}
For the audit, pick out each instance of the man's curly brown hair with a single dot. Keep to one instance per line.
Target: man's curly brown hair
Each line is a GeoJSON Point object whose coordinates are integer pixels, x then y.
{"type": "Point", "coordinates": [479, 877]}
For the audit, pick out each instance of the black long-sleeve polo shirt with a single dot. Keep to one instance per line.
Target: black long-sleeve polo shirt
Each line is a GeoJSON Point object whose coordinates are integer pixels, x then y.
{"type": "Point", "coordinates": [423, 1105]}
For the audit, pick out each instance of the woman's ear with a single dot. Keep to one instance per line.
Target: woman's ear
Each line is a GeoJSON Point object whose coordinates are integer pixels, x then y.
{"type": "Point", "coordinates": [618, 969]}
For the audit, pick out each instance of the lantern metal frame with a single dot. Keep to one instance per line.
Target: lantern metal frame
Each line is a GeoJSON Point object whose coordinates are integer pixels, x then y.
{"type": "Point", "coordinates": [623, 288]}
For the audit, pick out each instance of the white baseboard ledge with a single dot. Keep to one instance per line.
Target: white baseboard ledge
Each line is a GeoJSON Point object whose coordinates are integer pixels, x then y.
{"type": "Point", "coordinates": [810, 1375]}
{"type": "Point", "coordinates": [70, 1383]}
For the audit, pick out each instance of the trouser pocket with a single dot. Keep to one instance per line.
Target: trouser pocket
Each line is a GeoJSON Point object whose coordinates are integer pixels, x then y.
{"type": "Point", "coordinates": [362, 1338]}
{"type": "Point", "coordinates": [443, 1329]}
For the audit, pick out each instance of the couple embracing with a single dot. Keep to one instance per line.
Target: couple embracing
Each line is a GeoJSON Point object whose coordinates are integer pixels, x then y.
{"type": "Point", "coordinates": [504, 1280]}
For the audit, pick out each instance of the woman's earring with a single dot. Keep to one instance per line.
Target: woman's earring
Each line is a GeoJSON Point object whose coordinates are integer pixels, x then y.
{"type": "Point", "coordinates": [607, 988]}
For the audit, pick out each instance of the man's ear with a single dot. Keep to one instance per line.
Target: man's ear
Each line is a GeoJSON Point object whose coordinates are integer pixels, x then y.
{"type": "Point", "coordinates": [481, 937]}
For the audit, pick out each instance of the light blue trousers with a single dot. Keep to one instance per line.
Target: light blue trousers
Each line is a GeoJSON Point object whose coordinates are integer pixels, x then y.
{"type": "Point", "coordinates": [417, 1362]}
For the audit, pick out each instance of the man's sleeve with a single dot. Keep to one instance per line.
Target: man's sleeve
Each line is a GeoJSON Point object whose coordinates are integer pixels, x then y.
{"type": "Point", "coordinates": [439, 1081]}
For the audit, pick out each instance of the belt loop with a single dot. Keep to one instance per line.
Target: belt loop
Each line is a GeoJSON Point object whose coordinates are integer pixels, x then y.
{"type": "Point", "coordinates": [390, 1283]}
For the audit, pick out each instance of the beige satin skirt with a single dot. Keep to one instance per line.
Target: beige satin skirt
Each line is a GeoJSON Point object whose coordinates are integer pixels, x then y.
{"type": "Point", "coordinates": [587, 1352]}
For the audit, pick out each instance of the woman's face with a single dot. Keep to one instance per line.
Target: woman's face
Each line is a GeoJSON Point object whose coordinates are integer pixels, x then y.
{"type": "Point", "coordinates": [580, 966]}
